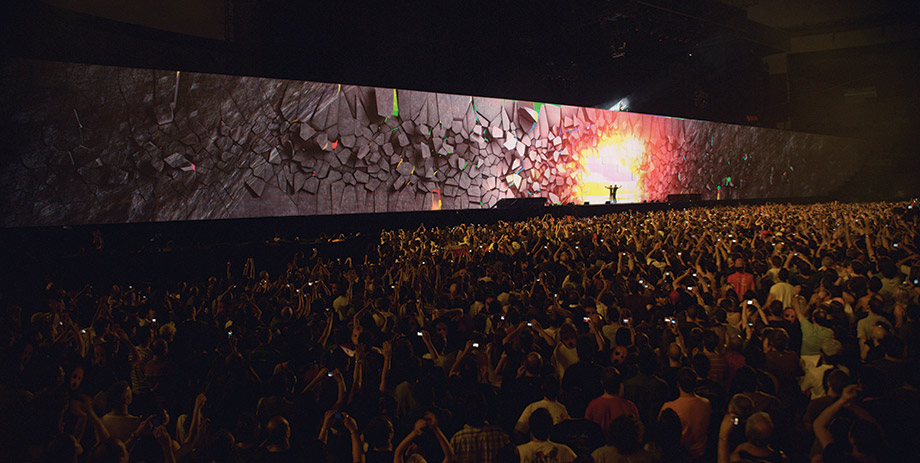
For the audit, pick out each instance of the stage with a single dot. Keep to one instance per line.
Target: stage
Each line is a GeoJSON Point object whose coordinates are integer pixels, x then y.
{"type": "Point", "coordinates": [194, 250]}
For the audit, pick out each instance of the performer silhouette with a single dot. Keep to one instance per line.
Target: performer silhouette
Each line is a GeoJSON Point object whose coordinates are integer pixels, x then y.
{"type": "Point", "coordinates": [613, 193]}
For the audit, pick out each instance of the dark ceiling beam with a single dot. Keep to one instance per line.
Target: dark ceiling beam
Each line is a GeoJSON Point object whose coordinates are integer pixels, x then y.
{"type": "Point", "coordinates": [736, 25]}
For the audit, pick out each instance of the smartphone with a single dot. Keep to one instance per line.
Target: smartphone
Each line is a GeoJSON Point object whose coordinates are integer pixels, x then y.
{"type": "Point", "coordinates": [329, 374]}
{"type": "Point", "coordinates": [529, 324]}
{"type": "Point", "coordinates": [418, 333]}
{"type": "Point", "coordinates": [625, 321]}
{"type": "Point", "coordinates": [689, 288]}
{"type": "Point", "coordinates": [475, 345]}
{"type": "Point", "coordinates": [587, 319]}
{"type": "Point", "coordinates": [154, 320]}
{"type": "Point", "coordinates": [750, 302]}
{"type": "Point", "coordinates": [736, 421]}
{"type": "Point", "coordinates": [339, 416]}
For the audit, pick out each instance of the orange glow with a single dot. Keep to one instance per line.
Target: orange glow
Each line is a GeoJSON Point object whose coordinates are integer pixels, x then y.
{"type": "Point", "coordinates": [615, 160]}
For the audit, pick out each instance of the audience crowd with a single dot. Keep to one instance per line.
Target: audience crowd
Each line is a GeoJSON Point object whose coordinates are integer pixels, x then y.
{"type": "Point", "coordinates": [767, 334]}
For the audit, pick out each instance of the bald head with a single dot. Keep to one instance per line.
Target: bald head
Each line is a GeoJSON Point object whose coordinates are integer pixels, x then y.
{"type": "Point", "coordinates": [879, 332]}
{"type": "Point", "coordinates": [674, 351]}
{"type": "Point", "coordinates": [278, 431]}
{"type": "Point", "coordinates": [759, 429]}
{"type": "Point", "coordinates": [533, 364]}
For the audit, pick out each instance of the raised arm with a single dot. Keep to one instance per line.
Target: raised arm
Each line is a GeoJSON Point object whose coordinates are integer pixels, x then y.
{"type": "Point", "coordinates": [822, 433]}
{"type": "Point", "coordinates": [417, 430]}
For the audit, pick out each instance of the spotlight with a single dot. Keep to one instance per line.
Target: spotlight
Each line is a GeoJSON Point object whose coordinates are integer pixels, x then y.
{"type": "Point", "coordinates": [622, 105]}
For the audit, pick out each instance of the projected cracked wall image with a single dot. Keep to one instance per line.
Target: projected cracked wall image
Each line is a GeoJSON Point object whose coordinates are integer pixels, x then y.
{"type": "Point", "coordinates": [97, 144]}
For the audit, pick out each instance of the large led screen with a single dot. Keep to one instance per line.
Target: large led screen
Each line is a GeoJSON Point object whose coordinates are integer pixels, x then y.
{"type": "Point", "coordinates": [97, 144]}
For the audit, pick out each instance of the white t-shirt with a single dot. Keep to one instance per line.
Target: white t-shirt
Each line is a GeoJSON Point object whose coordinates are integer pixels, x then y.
{"type": "Point", "coordinates": [555, 409]}
{"type": "Point", "coordinates": [563, 357]}
{"type": "Point", "coordinates": [783, 292]}
{"type": "Point", "coordinates": [609, 454]}
{"type": "Point", "coordinates": [545, 452]}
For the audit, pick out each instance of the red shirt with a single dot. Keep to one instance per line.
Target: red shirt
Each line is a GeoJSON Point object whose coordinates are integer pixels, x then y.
{"type": "Point", "coordinates": [742, 282]}
{"type": "Point", "coordinates": [603, 410]}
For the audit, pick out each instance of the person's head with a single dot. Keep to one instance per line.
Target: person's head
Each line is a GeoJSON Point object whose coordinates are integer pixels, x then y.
{"type": "Point", "coordinates": [674, 352]}
{"type": "Point", "coordinates": [533, 364]}
{"type": "Point", "coordinates": [776, 261]}
{"type": "Point", "coordinates": [879, 333]}
{"type": "Point", "coordinates": [710, 340]}
{"type": "Point", "coordinates": [541, 422]}
{"type": "Point", "coordinates": [159, 348]}
{"type": "Point", "coordinates": [669, 430]}
{"type": "Point", "coordinates": [143, 334]}
{"type": "Point", "coordinates": [278, 431]}
{"type": "Point", "coordinates": [647, 363]}
{"type": "Point", "coordinates": [586, 347]}
{"type": "Point", "coordinates": [819, 316]}
{"type": "Point", "coordinates": [789, 315]}
{"type": "Point", "coordinates": [441, 328]}
{"type": "Point", "coordinates": [745, 379]}
{"type": "Point", "coordinates": [834, 381]}
{"type": "Point", "coordinates": [775, 309]}
{"type": "Point", "coordinates": [779, 339]}
{"type": "Point", "coordinates": [63, 449]}
{"type": "Point", "coordinates": [625, 434]}
{"type": "Point", "coordinates": [568, 335]}
{"type": "Point", "coordinates": [75, 378]}
{"type": "Point", "coordinates": [686, 380]}
{"type": "Point", "coordinates": [894, 346]}
{"type": "Point", "coordinates": [735, 343]}
{"type": "Point", "coordinates": [867, 440]}
{"type": "Point", "coordinates": [759, 429]}
{"type": "Point", "coordinates": [100, 354]}
{"type": "Point", "coordinates": [701, 365]}
{"type": "Point", "coordinates": [119, 395]}
{"type": "Point", "coordinates": [739, 265]}
{"type": "Point", "coordinates": [264, 335]}
{"type": "Point", "coordinates": [168, 331]}
{"type": "Point", "coordinates": [222, 446]}
{"type": "Point", "coordinates": [831, 349]}
{"type": "Point", "coordinates": [741, 406]}
{"type": "Point", "coordinates": [783, 275]}
{"type": "Point", "coordinates": [612, 381]}
{"type": "Point", "coordinates": [379, 433]}
{"type": "Point", "coordinates": [875, 305]}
